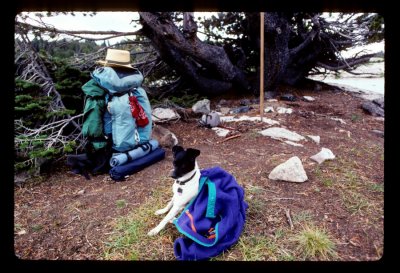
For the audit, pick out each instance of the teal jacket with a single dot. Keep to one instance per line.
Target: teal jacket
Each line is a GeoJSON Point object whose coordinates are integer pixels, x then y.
{"type": "Point", "coordinates": [93, 112]}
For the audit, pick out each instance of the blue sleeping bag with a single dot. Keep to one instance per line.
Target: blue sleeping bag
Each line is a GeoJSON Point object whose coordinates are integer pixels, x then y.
{"type": "Point", "coordinates": [118, 173]}
{"type": "Point", "coordinates": [213, 221]}
{"type": "Point", "coordinates": [118, 159]}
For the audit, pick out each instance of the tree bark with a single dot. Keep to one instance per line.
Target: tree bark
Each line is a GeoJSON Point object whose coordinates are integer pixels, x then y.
{"type": "Point", "coordinates": [207, 66]}
{"type": "Point", "coordinates": [277, 34]}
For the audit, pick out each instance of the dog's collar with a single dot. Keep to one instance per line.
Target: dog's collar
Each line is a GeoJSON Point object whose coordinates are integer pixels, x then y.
{"type": "Point", "coordinates": [187, 180]}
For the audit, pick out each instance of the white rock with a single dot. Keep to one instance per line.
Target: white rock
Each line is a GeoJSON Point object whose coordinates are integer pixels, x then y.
{"type": "Point", "coordinates": [308, 98]}
{"type": "Point", "coordinates": [283, 110]}
{"type": "Point", "coordinates": [21, 232]}
{"type": "Point", "coordinates": [316, 139]}
{"type": "Point", "coordinates": [269, 109]}
{"type": "Point", "coordinates": [281, 133]}
{"type": "Point", "coordinates": [340, 120]}
{"type": "Point", "coordinates": [202, 106]}
{"type": "Point", "coordinates": [159, 114]}
{"type": "Point", "coordinates": [244, 117]}
{"type": "Point", "coordinates": [224, 110]}
{"type": "Point", "coordinates": [292, 171]}
{"type": "Point", "coordinates": [221, 131]}
{"type": "Point", "coordinates": [293, 143]}
{"type": "Point", "coordinates": [323, 155]}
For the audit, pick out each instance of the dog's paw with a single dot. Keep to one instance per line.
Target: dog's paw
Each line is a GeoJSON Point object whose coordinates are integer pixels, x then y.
{"type": "Point", "coordinates": [153, 232]}
{"type": "Point", "coordinates": [160, 211]}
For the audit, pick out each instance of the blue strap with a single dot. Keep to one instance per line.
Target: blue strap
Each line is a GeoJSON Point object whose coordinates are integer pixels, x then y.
{"type": "Point", "coordinates": [212, 197]}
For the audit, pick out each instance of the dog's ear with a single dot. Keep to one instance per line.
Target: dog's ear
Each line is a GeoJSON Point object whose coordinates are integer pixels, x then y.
{"type": "Point", "coordinates": [193, 152]}
{"type": "Point", "coordinates": [176, 149]}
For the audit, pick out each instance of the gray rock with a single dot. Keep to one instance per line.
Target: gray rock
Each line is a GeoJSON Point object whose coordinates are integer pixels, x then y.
{"type": "Point", "coordinates": [380, 102]}
{"type": "Point", "coordinates": [373, 109]}
{"type": "Point", "coordinates": [164, 136]}
{"type": "Point", "coordinates": [288, 97]}
{"type": "Point", "coordinates": [241, 109]}
{"type": "Point", "coordinates": [292, 171]}
{"type": "Point", "coordinates": [379, 133]}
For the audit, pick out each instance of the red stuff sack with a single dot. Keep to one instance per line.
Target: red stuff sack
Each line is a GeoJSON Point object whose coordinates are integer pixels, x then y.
{"type": "Point", "coordinates": [138, 112]}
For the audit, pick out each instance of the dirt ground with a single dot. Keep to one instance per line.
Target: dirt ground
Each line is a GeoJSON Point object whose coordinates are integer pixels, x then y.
{"type": "Point", "coordinates": [63, 216]}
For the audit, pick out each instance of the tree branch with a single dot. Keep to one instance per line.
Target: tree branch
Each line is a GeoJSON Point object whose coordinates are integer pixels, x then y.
{"type": "Point", "coordinates": [349, 62]}
{"type": "Point", "coordinates": [24, 26]}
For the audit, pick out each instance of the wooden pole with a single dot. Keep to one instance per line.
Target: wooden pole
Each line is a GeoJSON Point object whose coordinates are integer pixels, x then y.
{"type": "Point", "coordinates": [261, 65]}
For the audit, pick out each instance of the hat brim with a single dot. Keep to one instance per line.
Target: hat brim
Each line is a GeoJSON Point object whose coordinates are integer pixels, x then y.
{"type": "Point", "coordinates": [108, 63]}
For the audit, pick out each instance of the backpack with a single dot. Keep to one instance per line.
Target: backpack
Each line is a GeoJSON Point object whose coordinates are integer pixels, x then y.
{"type": "Point", "coordinates": [129, 123]}
{"type": "Point", "coordinates": [93, 112]}
{"type": "Point", "coordinates": [210, 120]}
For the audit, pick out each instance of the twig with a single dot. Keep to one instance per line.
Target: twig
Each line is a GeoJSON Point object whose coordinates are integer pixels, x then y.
{"type": "Point", "coordinates": [73, 219]}
{"type": "Point", "coordinates": [287, 211]}
{"type": "Point", "coordinates": [229, 138]}
{"type": "Point", "coordinates": [282, 198]}
{"type": "Point", "coordinates": [87, 240]}
{"type": "Point", "coordinates": [225, 127]}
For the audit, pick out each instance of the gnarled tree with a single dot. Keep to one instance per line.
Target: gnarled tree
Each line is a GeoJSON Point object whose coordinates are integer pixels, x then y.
{"type": "Point", "coordinates": [295, 45]}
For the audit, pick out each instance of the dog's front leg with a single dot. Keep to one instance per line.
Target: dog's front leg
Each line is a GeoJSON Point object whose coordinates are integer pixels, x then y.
{"type": "Point", "coordinates": [167, 207]}
{"type": "Point", "coordinates": [171, 214]}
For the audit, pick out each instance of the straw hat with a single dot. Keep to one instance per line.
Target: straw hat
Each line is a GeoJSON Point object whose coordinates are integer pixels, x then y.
{"type": "Point", "coordinates": [117, 58]}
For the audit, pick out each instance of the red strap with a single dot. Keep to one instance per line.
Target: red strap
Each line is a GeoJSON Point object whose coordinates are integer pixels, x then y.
{"type": "Point", "coordinates": [191, 220]}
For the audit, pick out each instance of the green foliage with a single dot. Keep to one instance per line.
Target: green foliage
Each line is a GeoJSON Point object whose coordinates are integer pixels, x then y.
{"type": "Point", "coordinates": [25, 86]}
{"type": "Point", "coordinates": [44, 153]}
{"type": "Point", "coordinates": [186, 100]}
{"type": "Point", "coordinates": [60, 113]}
{"type": "Point", "coordinates": [64, 48]}
{"type": "Point", "coordinates": [69, 147]}
{"type": "Point", "coordinates": [32, 109]}
{"type": "Point", "coordinates": [30, 105]}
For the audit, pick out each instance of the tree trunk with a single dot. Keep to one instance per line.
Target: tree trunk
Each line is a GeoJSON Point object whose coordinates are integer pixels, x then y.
{"type": "Point", "coordinates": [208, 67]}
{"type": "Point", "coordinates": [277, 33]}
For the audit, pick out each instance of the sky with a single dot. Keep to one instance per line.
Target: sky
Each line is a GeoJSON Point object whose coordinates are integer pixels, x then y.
{"type": "Point", "coordinates": [117, 21]}
{"type": "Point", "coordinates": [102, 21]}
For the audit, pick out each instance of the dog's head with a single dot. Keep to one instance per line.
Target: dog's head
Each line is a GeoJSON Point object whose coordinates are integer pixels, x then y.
{"type": "Point", "coordinates": [184, 160]}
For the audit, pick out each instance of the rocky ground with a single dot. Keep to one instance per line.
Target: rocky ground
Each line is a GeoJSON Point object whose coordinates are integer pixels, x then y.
{"type": "Point", "coordinates": [64, 216]}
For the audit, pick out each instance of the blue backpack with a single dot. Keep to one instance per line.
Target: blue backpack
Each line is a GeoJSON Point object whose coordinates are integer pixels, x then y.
{"type": "Point", "coordinates": [118, 120]}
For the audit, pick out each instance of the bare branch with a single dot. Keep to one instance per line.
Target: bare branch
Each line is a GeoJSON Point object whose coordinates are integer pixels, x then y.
{"type": "Point", "coordinates": [349, 62]}
{"type": "Point", "coordinates": [24, 26]}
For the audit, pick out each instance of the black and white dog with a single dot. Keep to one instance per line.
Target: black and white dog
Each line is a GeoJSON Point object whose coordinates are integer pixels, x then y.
{"type": "Point", "coordinates": [186, 173]}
